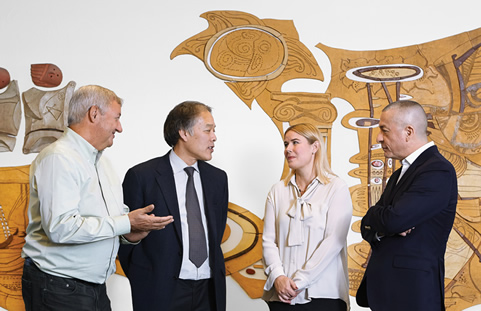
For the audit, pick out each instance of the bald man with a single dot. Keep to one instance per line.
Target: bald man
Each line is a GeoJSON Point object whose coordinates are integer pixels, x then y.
{"type": "Point", "coordinates": [408, 228]}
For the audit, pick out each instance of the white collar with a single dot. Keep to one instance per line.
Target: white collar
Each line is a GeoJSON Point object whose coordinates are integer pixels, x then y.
{"type": "Point", "coordinates": [413, 156]}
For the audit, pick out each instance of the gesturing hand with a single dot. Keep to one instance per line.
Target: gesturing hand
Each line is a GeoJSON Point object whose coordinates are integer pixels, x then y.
{"type": "Point", "coordinates": [141, 221]}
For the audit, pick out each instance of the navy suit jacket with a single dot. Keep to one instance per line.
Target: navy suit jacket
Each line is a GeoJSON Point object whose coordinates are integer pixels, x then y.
{"type": "Point", "coordinates": [153, 265]}
{"type": "Point", "coordinates": [407, 273]}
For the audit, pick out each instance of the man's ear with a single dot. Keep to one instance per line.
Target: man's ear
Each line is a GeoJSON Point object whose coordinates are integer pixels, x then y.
{"type": "Point", "coordinates": [409, 130]}
{"type": "Point", "coordinates": [93, 113]}
{"type": "Point", "coordinates": [183, 134]}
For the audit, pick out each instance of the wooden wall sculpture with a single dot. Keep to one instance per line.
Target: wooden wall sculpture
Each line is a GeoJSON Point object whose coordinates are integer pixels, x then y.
{"type": "Point", "coordinates": [242, 250]}
{"type": "Point", "coordinates": [449, 90]}
{"type": "Point", "coordinates": [13, 226]}
{"type": "Point", "coordinates": [46, 116]}
{"type": "Point", "coordinates": [256, 56]}
{"type": "Point", "coordinates": [10, 112]}
{"type": "Point", "coordinates": [46, 111]}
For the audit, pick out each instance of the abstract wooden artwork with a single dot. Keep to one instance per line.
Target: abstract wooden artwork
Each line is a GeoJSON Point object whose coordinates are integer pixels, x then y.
{"type": "Point", "coordinates": [448, 88]}
{"type": "Point", "coordinates": [4, 77]}
{"type": "Point", "coordinates": [256, 56]}
{"type": "Point", "coordinates": [10, 115]}
{"type": "Point", "coordinates": [241, 242]}
{"type": "Point", "coordinates": [242, 249]}
{"type": "Point", "coordinates": [46, 114]}
{"type": "Point", "coordinates": [13, 225]}
{"type": "Point", "coordinates": [47, 75]}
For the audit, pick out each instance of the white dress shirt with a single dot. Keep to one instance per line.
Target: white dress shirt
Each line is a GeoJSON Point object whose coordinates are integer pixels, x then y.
{"type": "Point", "coordinates": [188, 270]}
{"type": "Point", "coordinates": [304, 238]}
{"type": "Point", "coordinates": [76, 211]}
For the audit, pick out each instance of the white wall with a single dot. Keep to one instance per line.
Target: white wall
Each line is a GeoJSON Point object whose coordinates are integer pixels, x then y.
{"type": "Point", "coordinates": [126, 45]}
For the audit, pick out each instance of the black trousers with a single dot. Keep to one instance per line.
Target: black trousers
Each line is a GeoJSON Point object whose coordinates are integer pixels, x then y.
{"type": "Point", "coordinates": [43, 291]}
{"type": "Point", "coordinates": [190, 295]}
{"type": "Point", "coordinates": [318, 304]}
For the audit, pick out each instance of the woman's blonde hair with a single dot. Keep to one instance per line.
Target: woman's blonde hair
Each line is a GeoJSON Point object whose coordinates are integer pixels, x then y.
{"type": "Point", "coordinates": [321, 163]}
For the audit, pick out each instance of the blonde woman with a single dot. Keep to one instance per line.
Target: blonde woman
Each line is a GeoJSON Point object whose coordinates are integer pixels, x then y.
{"type": "Point", "coordinates": [306, 222]}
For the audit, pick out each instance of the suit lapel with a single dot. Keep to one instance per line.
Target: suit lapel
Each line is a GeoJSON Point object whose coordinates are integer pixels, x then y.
{"type": "Point", "coordinates": [423, 157]}
{"type": "Point", "coordinates": [391, 187]}
{"type": "Point", "coordinates": [208, 191]}
{"type": "Point", "coordinates": [166, 184]}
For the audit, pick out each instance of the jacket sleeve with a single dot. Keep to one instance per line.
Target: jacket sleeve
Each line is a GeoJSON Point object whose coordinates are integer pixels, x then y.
{"type": "Point", "coordinates": [133, 198]}
{"type": "Point", "coordinates": [426, 194]}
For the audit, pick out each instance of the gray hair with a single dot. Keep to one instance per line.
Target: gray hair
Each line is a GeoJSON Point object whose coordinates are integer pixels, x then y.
{"type": "Point", "coordinates": [86, 97]}
{"type": "Point", "coordinates": [410, 113]}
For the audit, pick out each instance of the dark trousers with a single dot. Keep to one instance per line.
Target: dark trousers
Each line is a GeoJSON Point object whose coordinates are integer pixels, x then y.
{"type": "Point", "coordinates": [42, 291]}
{"type": "Point", "coordinates": [190, 295]}
{"type": "Point", "coordinates": [318, 304]}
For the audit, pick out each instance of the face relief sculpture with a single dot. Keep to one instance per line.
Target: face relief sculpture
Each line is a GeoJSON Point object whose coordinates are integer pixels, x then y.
{"type": "Point", "coordinates": [4, 78]}
{"type": "Point", "coordinates": [46, 75]}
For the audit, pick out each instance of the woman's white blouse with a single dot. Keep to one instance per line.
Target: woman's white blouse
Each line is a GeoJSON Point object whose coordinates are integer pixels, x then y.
{"type": "Point", "coordinates": [304, 239]}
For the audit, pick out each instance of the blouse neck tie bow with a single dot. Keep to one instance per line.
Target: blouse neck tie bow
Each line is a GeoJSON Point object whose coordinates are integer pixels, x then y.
{"type": "Point", "coordinates": [300, 211]}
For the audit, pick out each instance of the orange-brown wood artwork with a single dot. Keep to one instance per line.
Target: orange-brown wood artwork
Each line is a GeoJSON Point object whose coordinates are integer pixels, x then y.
{"type": "Point", "coordinates": [256, 56]}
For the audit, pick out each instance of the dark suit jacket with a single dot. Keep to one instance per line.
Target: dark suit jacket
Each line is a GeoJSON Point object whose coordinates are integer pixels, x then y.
{"type": "Point", "coordinates": [407, 273]}
{"type": "Point", "coordinates": [154, 264]}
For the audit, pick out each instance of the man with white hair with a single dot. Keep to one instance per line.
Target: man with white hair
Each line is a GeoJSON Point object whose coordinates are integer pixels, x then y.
{"type": "Point", "coordinates": [76, 213]}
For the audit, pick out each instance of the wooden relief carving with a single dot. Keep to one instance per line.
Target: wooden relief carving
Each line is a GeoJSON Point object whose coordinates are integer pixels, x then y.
{"type": "Point", "coordinates": [246, 53]}
{"type": "Point", "coordinates": [243, 249]}
{"type": "Point", "coordinates": [447, 84]}
{"type": "Point", "coordinates": [10, 115]}
{"type": "Point", "coordinates": [4, 78]}
{"type": "Point", "coordinates": [46, 116]}
{"type": "Point", "coordinates": [443, 76]}
{"type": "Point", "coordinates": [241, 241]}
{"type": "Point", "coordinates": [13, 225]}
{"type": "Point", "coordinates": [47, 75]}
{"type": "Point", "coordinates": [255, 57]}
{"type": "Point", "coordinates": [249, 54]}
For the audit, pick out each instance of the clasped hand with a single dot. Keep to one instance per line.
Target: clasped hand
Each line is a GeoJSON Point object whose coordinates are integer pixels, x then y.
{"type": "Point", "coordinates": [286, 288]}
{"type": "Point", "coordinates": [405, 233]}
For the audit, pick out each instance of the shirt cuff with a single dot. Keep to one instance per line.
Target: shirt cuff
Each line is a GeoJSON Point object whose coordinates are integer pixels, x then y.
{"type": "Point", "coordinates": [122, 224]}
{"type": "Point", "coordinates": [300, 283]}
{"type": "Point", "coordinates": [123, 240]}
{"type": "Point", "coordinates": [273, 275]}
{"type": "Point", "coordinates": [379, 236]}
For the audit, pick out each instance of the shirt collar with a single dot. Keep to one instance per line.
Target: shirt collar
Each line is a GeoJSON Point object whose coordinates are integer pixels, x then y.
{"type": "Point", "coordinates": [292, 181]}
{"type": "Point", "coordinates": [178, 164]}
{"type": "Point", "coordinates": [413, 156]}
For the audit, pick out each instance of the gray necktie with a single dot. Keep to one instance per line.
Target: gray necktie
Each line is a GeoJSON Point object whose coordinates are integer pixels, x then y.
{"type": "Point", "coordinates": [197, 244]}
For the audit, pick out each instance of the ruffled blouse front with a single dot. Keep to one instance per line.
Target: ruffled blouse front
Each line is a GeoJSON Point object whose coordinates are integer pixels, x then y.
{"type": "Point", "coordinates": [304, 239]}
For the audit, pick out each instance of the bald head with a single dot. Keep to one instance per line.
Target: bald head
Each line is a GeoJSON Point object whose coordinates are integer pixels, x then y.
{"type": "Point", "coordinates": [403, 126]}
{"type": "Point", "coordinates": [411, 113]}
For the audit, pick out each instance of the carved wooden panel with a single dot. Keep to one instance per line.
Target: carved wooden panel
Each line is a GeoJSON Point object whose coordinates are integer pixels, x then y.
{"type": "Point", "coordinates": [10, 116]}
{"type": "Point", "coordinates": [46, 116]}
{"type": "Point", "coordinates": [442, 75]}
{"type": "Point", "coordinates": [13, 225]}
